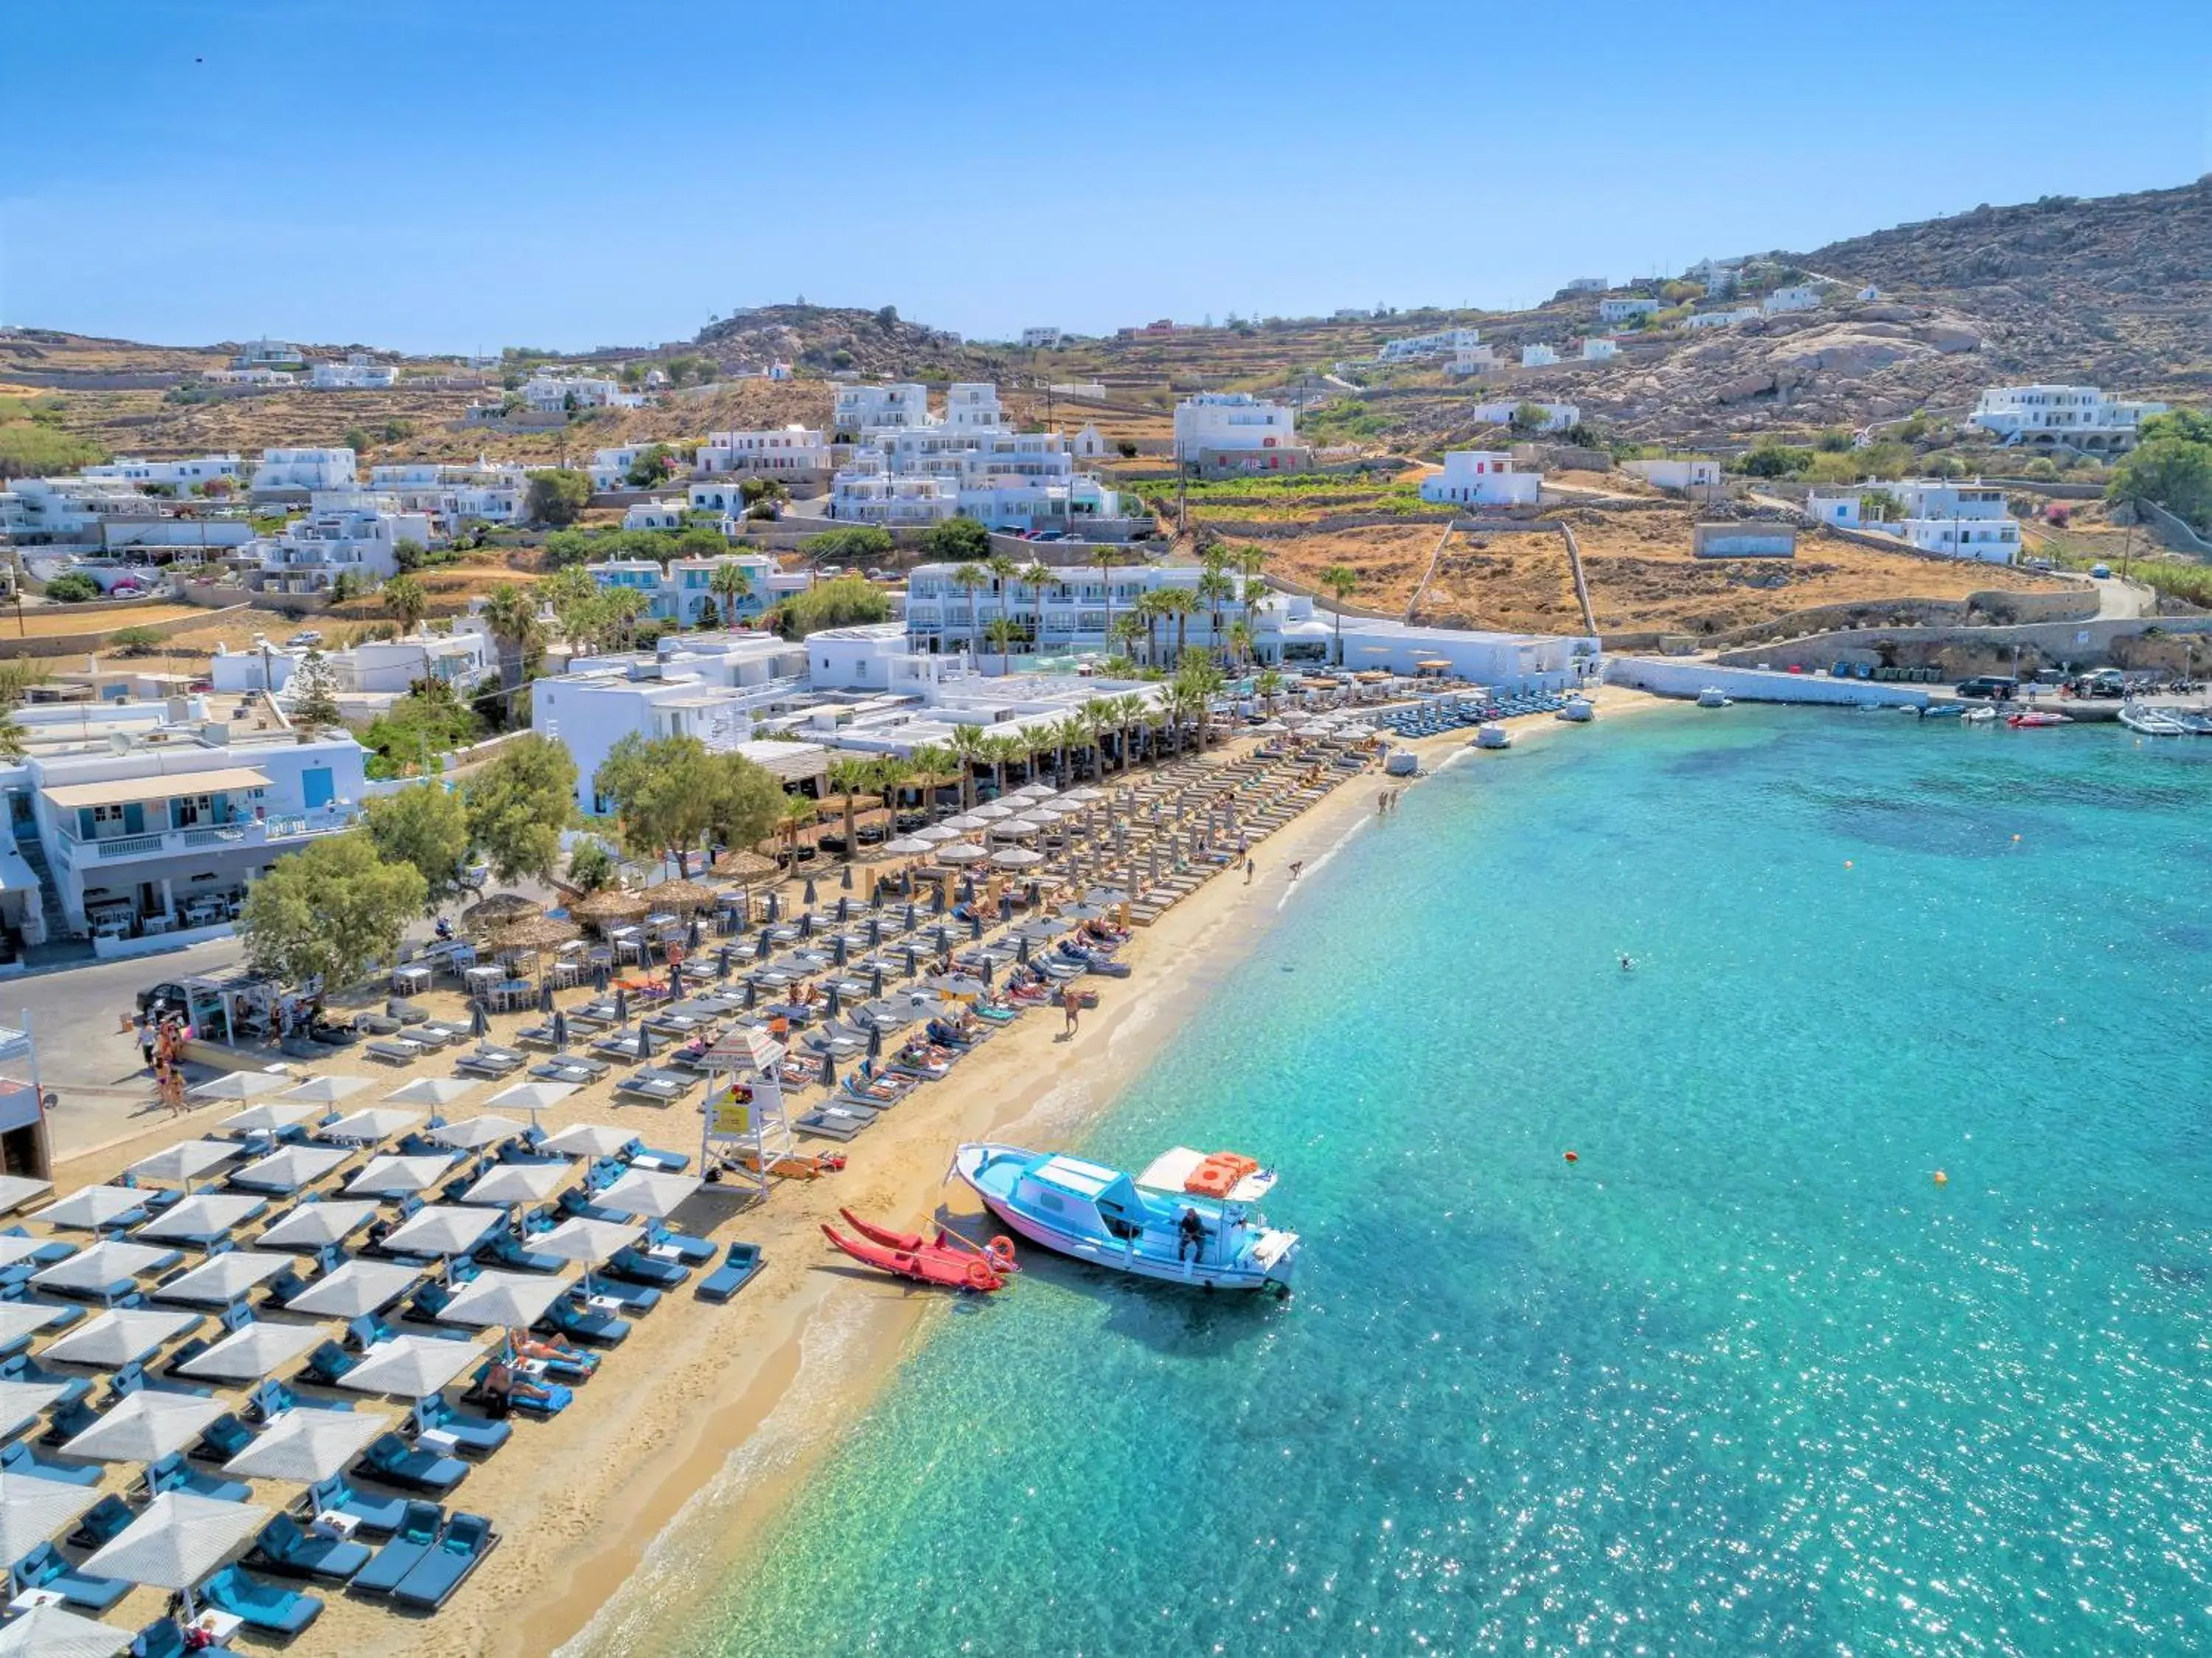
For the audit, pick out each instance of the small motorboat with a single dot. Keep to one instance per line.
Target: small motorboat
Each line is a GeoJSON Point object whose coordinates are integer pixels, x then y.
{"type": "Point", "coordinates": [1491, 734]}
{"type": "Point", "coordinates": [908, 1255]}
{"type": "Point", "coordinates": [2153, 721]}
{"type": "Point", "coordinates": [1713, 697]}
{"type": "Point", "coordinates": [1942, 710]}
{"type": "Point", "coordinates": [1580, 710]}
{"type": "Point", "coordinates": [2034, 719]}
{"type": "Point", "coordinates": [1983, 716]}
{"type": "Point", "coordinates": [999, 1253]}
{"type": "Point", "coordinates": [1189, 1218]}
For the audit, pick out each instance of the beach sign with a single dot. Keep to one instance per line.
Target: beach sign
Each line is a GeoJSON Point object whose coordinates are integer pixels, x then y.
{"type": "Point", "coordinates": [739, 1111]}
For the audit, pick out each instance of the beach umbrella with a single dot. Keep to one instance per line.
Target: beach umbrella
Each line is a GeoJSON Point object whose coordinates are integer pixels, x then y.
{"type": "Point", "coordinates": [94, 1207]}
{"type": "Point", "coordinates": [775, 907]}
{"type": "Point", "coordinates": [327, 1090]}
{"type": "Point", "coordinates": [829, 1071]}
{"type": "Point", "coordinates": [252, 1351]}
{"type": "Point", "coordinates": [960, 852]}
{"type": "Point", "coordinates": [53, 1631]}
{"type": "Point", "coordinates": [907, 846]}
{"type": "Point", "coordinates": [751, 995]}
{"type": "Point", "coordinates": [178, 1538]}
{"type": "Point", "coordinates": [18, 1247]}
{"type": "Point", "coordinates": [992, 812]}
{"type": "Point", "coordinates": [432, 1091]}
{"type": "Point", "coordinates": [590, 1140]}
{"type": "Point", "coordinates": [647, 1192]}
{"type": "Point", "coordinates": [560, 1030]}
{"type": "Point", "coordinates": [369, 1126]}
{"type": "Point", "coordinates": [146, 1427]}
{"type": "Point", "coordinates": [312, 1226]}
{"type": "Point", "coordinates": [20, 1321]}
{"type": "Point", "coordinates": [240, 1085]}
{"type": "Point", "coordinates": [518, 1300]}
{"type": "Point", "coordinates": [975, 927]}
{"type": "Point", "coordinates": [806, 925]}
{"type": "Point", "coordinates": [519, 1183]}
{"type": "Point", "coordinates": [599, 978]}
{"type": "Point", "coordinates": [411, 1366]}
{"type": "Point", "coordinates": [763, 947]}
{"type": "Point", "coordinates": [268, 1116]}
{"type": "Point", "coordinates": [91, 1271]}
{"type": "Point", "coordinates": [306, 1446]}
{"type": "Point", "coordinates": [222, 1279]}
{"type": "Point", "coordinates": [545, 996]}
{"type": "Point", "coordinates": [446, 1229]}
{"type": "Point", "coordinates": [32, 1509]}
{"type": "Point", "coordinates": [875, 1041]}
{"type": "Point", "coordinates": [290, 1168]}
{"type": "Point", "coordinates": [125, 1336]}
{"type": "Point", "coordinates": [958, 984]}
{"type": "Point", "coordinates": [621, 1004]}
{"type": "Point", "coordinates": [185, 1162]}
{"type": "Point", "coordinates": [809, 896]}
{"type": "Point", "coordinates": [21, 1401]}
{"type": "Point", "coordinates": [1005, 906]}
{"type": "Point", "coordinates": [692, 938]}
{"type": "Point", "coordinates": [396, 1177]}
{"type": "Point", "coordinates": [1022, 949]}
{"type": "Point", "coordinates": [588, 1242]}
{"type": "Point", "coordinates": [479, 1026]}
{"type": "Point", "coordinates": [845, 881]}
{"type": "Point", "coordinates": [937, 834]}
{"type": "Point", "coordinates": [834, 1009]}
{"type": "Point", "coordinates": [876, 979]}
{"type": "Point", "coordinates": [17, 1190]}
{"type": "Point", "coordinates": [722, 962]}
{"type": "Point", "coordinates": [531, 1097]}
{"type": "Point", "coordinates": [203, 1215]}
{"type": "Point", "coordinates": [644, 1043]}
{"type": "Point", "coordinates": [487, 1129]}
{"type": "Point", "coordinates": [1016, 857]}
{"type": "Point", "coordinates": [355, 1289]}
{"type": "Point", "coordinates": [837, 949]}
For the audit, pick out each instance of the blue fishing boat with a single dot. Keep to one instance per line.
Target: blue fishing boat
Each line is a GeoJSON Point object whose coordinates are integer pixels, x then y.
{"type": "Point", "coordinates": [1189, 1218]}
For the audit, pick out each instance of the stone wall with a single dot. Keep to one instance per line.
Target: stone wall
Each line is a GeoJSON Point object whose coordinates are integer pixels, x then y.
{"type": "Point", "coordinates": [1959, 653]}
{"type": "Point", "coordinates": [93, 639]}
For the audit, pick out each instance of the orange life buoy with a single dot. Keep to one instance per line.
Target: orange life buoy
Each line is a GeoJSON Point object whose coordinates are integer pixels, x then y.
{"type": "Point", "coordinates": [1001, 1244]}
{"type": "Point", "coordinates": [980, 1276]}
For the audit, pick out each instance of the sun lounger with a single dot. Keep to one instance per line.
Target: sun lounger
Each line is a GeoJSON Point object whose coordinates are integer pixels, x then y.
{"type": "Point", "coordinates": [657, 1086]}
{"type": "Point", "coordinates": [171, 1474]}
{"type": "Point", "coordinates": [507, 1251]}
{"type": "Point", "coordinates": [417, 1533]}
{"type": "Point", "coordinates": [225, 1437]}
{"type": "Point", "coordinates": [286, 1551]}
{"type": "Point", "coordinates": [165, 1639]}
{"type": "Point", "coordinates": [593, 1328]}
{"type": "Point", "coordinates": [44, 1568]}
{"type": "Point", "coordinates": [263, 1607]}
{"type": "Point", "coordinates": [633, 1298]}
{"type": "Point", "coordinates": [738, 1269]}
{"type": "Point", "coordinates": [390, 1461]}
{"type": "Point", "coordinates": [490, 1061]}
{"type": "Point", "coordinates": [554, 1398]}
{"type": "Point", "coordinates": [378, 1517]}
{"type": "Point", "coordinates": [22, 1368]}
{"type": "Point", "coordinates": [394, 1051]}
{"type": "Point", "coordinates": [831, 1123]}
{"type": "Point", "coordinates": [326, 1364]}
{"type": "Point", "coordinates": [468, 1538]}
{"type": "Point", "coordinates": [103, 1522]}
{"type": "Point", "coordinates": [660, 1238]}
{"type": "Point", "coordinates": [19, 1459]}
{"type": "Point", "coordinates": [632, 1266]}
{"type": "Point", "coordinates": [474, 1435]}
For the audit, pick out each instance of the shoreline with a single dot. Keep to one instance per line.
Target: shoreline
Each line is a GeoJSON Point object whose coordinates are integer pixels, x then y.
{"type": "Point", "coordinates": [717, 1414]}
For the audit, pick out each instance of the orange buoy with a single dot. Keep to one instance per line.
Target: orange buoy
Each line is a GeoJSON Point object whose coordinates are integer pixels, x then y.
{"type": "Point", "coordinates": [1572, 1158]}
{"type": "Point", "coordinates": [1942, 1178]}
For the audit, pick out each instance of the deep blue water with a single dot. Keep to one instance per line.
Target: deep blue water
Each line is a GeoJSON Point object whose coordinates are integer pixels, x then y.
{"type": "Point", "coordinates": [1743, 1378]}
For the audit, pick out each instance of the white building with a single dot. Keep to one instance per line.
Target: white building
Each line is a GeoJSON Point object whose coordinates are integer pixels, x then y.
{"type": "Point", "coordinates": [1599, 350]}
{"type": "Point", "coordinates": [269, 353]}
{"type": "Point", "coordinates": [1538, 356]}
{"type": "Point", "coordinates": [1951, 521]}
{"type": "Point", "coordinates": [1717, 276]}
{"type": "Point", "coordinates": [1791, 299]}
{"type": "Point", "coordinates": [1683, 473]}
{"type": "Point", "coordinates": [1870, 292]}
{"type": "Point", "coordinates": [182, 475]}
{"type": "Point", "coordinates": [1588, 285]}
{"type": "Point", "coordinates": [550, 393]}
{"type": "Point", "coordinates": [1557, 417]}
{"type": "Point", "coordinates": [300, 471]}
{"type": "Point", "coordinates": [972, 406]}
{"type": "Point", "coordinates": [1626, 310]}
{"type": "Point", "coordinates": [1064, 609]}
{"type": "Point", "coordinates": [356, 374]}
{"type": "Point", "coordinates": [1721, 319]}
{"type": "Point", "coordinates": [679, 591]}
{"type": "Point", "coordinates": [2078, 417]}
{"type": "Point", "coordinates": [344, 533]}
{"type": "Point", "coordinates": [667, 514]}
{"type": "Point", "coordinates": [1223, 433]}
{"type": "Point", "coordinates": [862, 410]}
{"type": "Point", "coordinates": [250, 377]}
{"type": "Point", "coordinates": [1483, 478]}
{"type": "Point", "coordinates": [1087, 444]}
{"type": "Point", "coordinates": [1290, 629]}
{"type": "Point", "coordinates": [1041, 339]}
{"type": "Point", "coordinates": [1415, 348]}
{"type": "Point", "coordinates": [1473, 360]}
{"type": "Point", "coordinates": [795, 454]}
{"type": "Point", "coordinates": [455, 494]}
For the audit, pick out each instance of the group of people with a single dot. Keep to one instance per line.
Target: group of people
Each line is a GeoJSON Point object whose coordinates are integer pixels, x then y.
{"type": "Point", "coordinates": [1387, 801]}
{"type": "Point", "coordinates": [161, 1039]}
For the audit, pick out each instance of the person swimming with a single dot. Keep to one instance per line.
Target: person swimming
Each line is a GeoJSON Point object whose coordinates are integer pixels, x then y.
{"type": "Point", "coordinates": [1628, 964]}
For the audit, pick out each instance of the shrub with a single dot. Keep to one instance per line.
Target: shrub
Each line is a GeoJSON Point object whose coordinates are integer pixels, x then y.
{"type": "Point", "coordinates": [72, 587]}
{"type": "Point", "coordinates": [134, 641]}
{"type": "Point", "coordinates": [2042, 467]}
{"type": "Point", "coordinates": [854, 544]}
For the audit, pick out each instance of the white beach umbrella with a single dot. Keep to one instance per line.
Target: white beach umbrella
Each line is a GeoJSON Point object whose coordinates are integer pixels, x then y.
{"type": "Point", "coordinates": [937, 834]}
{"type": "Point", "coordinates": [311, 1226]}
{"type": "Point", "coordinates": [15, 1246]}
{"type": "Point", "coordinates": [128, 1335]}
{"type": "Point", "coordinates": [1013, 829]}
{"type": "Point", "coordinates": [504, 1300]}
{"type": "Point", "coordinates": [355, 1289]}
{"type": "Point", "coordinates": [306, 1446]}
{"type": "Point", "coordinates": [964, 823]}
{"type": "Point", "coordinates": [17, 1190]}
{"type": "Point", "coordinates": [241, 1085]}
{"type": "Point", "coordinates": [294, 1166]}
{"type": "Point", "coordinates": [146, 1427]}
{"type": "Point", "coordinates": [646, 1191]}
{"type": "Point", "coordinates": [589, 1140]}
{"type": "Point", "coordinates": [1016, 857]}
{"type": "Point", "coordinates": [586, 1240]}
{"type": "Point", "coordinates": [429, 1091]}
{"type": "Point", "coordinates": [411, 1366]}
{"type": "Point", "coordinates": [222, 1279]}
{"type": "Point", "coordinates": [32, 1509]}
{"type": "Point", "coordinates": [19, 1319]}
{"type": "Point", "coordinates": [327, 1090]}
{"type": "Point", "coordinates": [474, 1132]}
{"type": "Point", "coordinates": [94, 1206]}
{"type": "Point", "coordinates": [962, 851]}
{"type": "Point", "coordinates": [52, 1632]}
{"type": "Point", "coordinates": [519, 1183]}
{"type": "Point", "coordinates": [1037, 791]}
{"type": "Point", "coordinates": [21, 1401]}
{"type": "Point", "coordinates": [252, 1351]}
{"type": "Point", "coordinates": [267, 1116]}
{"type": "Point", "coordinates": [398, 1177]}
{"type": "Point", "coordinates": [906, 846]}
{"type": "Point", "coordinates": [201, 1214]}
{"type": "Point", "coordinates": [993, 813]}
{"type": "Point", "coordinates": [529, 1096]}
{"type": "Point", "coordinates": [177, 1540]}
{"type": "Point", "coordinates": [184, 1163]}
{"type": "Point", "coordinates": [1086, 796]}
{"type": "Point", "coordinates": [369, 1126]}
{"type": "Point", "coordinates": [92, 1271]}
{"type": "Point", "coordinates": [442, 1229]}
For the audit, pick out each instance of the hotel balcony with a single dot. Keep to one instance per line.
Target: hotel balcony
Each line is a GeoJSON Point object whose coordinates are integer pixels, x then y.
{"type": "Point", "coordinates": [284, 832]}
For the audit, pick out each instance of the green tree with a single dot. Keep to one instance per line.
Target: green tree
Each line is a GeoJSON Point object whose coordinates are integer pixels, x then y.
{"type": "Point", "coordinates": [1529, 417]}
{"type": "Point", "coordinates": [731, 585]}
{"type": "Point", "coordinates": [1766, 459]}
{"type": "Point", "coordinates": [72, 587]}
{"type": "Point", "coordinates": [557, 496]}
{"type": "Point", "coordinates": [957, 540]}
{"type": "Point", "coordinates": [2171, 467]}
{"type": "Point", "coordinates": [406, 602]}
{"type": "Point", "coordinates": [135, 641]}
{"type": "Point", "coordinates": [655, 464]}
{"type": "Point", "coordinates": [314, 699]}
{"type": "Point", "coordinates": [1002, 631]}
{"type": "Point", "coordinates": [853, 543]}
{"type": "Point", "coordinates": [591, 865]}
{"type": "Point", "coordinates": [425, 828]}
{"type": "Point", "coordinates": [970, 748]}
{"type": "Point", "coordinates": [971, 577]}
{"type": "Point", "coordinates": [511, 613]}
{"type": "Point", "coordinates": [1341, 580]}
{"type": "Point", "coordinates": [409, 554]}
{"type": "Point", "coordinates": [847, 601]}
{"type": "Point", "coordinates": [328, 913]}
{"type": "Point", "coordinates": [664, 792]}
{"type": "Point", "coordinates": [1199, 680]}
{"type": "Point", "coordinates": [848, 777]}
{"type": "Point", "coordinates": [519, 804]}
{"type": "Point", "coordinates": [429, 722]}
{"type": "Point", "coordinates": [747, 803]}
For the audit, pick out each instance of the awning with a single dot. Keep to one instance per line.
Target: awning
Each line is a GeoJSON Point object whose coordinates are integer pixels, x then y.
{"type": "Point", "coordinates": [116, 791]}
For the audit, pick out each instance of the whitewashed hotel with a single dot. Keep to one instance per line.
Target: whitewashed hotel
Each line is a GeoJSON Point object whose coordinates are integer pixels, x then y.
{"type": "Point", "coordinates": [1067, 609]}
{"type": "Point", "coordinates": [2078, 417]}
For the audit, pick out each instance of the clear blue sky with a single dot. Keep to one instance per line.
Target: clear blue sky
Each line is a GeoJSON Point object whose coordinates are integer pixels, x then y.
{"type": "Point", "coordinates": [442, 176]}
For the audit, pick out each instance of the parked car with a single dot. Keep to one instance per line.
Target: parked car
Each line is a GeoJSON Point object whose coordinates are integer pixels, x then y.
{"type": "Point", "coordinates": [2105, 682]}
{"type": "Point", "coordinates": [2100, 571]}
{"type": "Point", "coordinates": [305, 637]}
{"type": "Point", "coordinates": [1993, 688]}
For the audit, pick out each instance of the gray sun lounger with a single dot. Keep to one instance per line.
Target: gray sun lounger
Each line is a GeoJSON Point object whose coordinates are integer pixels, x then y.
{"type": "Point", "coordinates": [651, 1085]}
{"type": "Point", "coordinates": [490, 1061]}
{"type": "Point", "coordinates": [831, 1123]}
{"type": "Point", "coordinates": [571, 1067]}
{"type": "Point", "coordinates": [394, 1052]}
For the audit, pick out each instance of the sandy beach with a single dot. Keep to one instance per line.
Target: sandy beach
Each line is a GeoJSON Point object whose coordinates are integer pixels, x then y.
{"type": "Point", "coordinates": [726, 1407]}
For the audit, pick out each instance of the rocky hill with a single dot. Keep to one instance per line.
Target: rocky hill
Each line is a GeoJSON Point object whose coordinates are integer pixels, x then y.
{"type": "Point", "coordinates": [826, 339]}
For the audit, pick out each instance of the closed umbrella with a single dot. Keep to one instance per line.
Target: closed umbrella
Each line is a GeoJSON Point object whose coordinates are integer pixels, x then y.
{"type": "Point", "coordinates": [354, 1290]}
{"type": "Point", "coordinates": [560, 1023]}
{"type": "Point", "coordinates": [399, 1176]}
{"type": "Point", "coordinates": [644, 1043]}
{"type": "Point", "coordinates": [315, 1226]}
{"type": "Point", "coordinates": [810, 892]}
{"type": "Point", "coordinates": [479, 1026]}
{"type": "Point", "coordinates": [545, 996]}
{"type": "Point", "coordinates": [178, 1539]}
{"type": "Point", "coordinates": [252, 1352]}
{"type": "Point", "coordinates": [621, 1004]}
{"type": "Point", "coordinates": [308, 1446]}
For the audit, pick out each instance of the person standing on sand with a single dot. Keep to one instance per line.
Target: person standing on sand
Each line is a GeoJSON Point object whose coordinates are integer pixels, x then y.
{"type": "Point", "coordinates": [1072, 1005]}
{"type": "Point", "coordinates": [1251, 869]}
{"type": "Point", "coordinates": [1296, 867]}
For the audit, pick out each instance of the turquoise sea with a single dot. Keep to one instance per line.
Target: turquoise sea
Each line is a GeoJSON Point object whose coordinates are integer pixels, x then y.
{"type": "Point", "coordinates": [1743, 1378]}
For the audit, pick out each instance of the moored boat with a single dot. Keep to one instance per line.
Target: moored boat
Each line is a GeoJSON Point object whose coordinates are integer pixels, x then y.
{"type": "Point", "coordinates": [1713, 697]}
{"type": "Point", "coordinates": [906, 1255]}
{"type": "Point", "coordinates": [1578, 709]}
{"type": "Point", "coordinates": [1188, 1218]}
{"type": "Point", "coordinates": [2034, 719]}
{"type": "Point", "coordinates": [2153, 721]}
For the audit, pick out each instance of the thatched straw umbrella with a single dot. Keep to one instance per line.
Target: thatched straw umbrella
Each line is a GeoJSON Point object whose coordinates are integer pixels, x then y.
{"type": "Point", "coordinates": [610, 905]}
{"type": "Point", "coordinates": [534, 933]}
{"type": "Point", "coordinates": [746, 867]}
{"type": "Point", "coordinates": [499, 909]}
{"type": "Point", "coordinates": [680, 896]}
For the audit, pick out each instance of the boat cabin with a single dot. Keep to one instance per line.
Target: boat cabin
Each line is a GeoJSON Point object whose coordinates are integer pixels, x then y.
{"type": "Point", "coordinates": [1085, 1198]}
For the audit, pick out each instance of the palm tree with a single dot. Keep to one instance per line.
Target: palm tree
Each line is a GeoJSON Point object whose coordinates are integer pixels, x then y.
{"type": "Point", "coordinates": [970, 750]}
{"type": "Point", "coordinates": [971, 576]}
{"type": "Point", "coordinates": [1181, 604]}
{"type": "Point", "coordinates": [405, 603]}
{"type": "Point", "coordinates": [1240, 642]}
{"type": "Point", "coordinates": [1269, 685]}
{"type": "Point", "coordinates": [1072, 734]}
{"type": "Point", "coordinates": [934, 765]}
{"type": "Point", "coordinates": [1097, 716]}
{"type": "Point", "coordinates": [1340, 579]}
{"type": "Point", "coordinates": [730, 583]}
{"type": "Point", "coordinates": [849, 777]}
{"type": "Point", "coordinates": [799, 814]}
{"type": "Point", "coordinates": [1215, 589]}
{"type": "Point", "coordinates": [1202, 680]}
{"type": "Point", "coordinates": [1106, 559]}
{"type": "Point", "coordinates": [1148, 611]}
{"type": "Point", "coordinates": [1127, 629]}
{"type": "Point", "coordinates": [1003, 749]}
{"type": "Point", "coordinates": [1129, 710]}
{"type": "Point", "coordinates": [891, 774]}
{"type": "Point", "coordinates": [511, 614]}
{"type": "Point", "coordinates": [1000, 631]}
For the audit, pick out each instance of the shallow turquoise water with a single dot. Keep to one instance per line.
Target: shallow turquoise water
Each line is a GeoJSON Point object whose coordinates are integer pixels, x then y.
{"type": "Point", "coordinates": [1743, 1378]}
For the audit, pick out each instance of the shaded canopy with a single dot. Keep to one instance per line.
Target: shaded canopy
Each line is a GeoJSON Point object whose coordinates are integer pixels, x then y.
{"type": "Point", "coordinates": [307, 1445]}
{"type": "Point", "coordinates": [177, 1540]}
{"type": "Point", "coordinates": [252, 1352]}
{"type": "Point", "coordinates": [356, 1288]}
{"type": "Point", "coordinates": [501, 909]}
{"type": "Point", "coordinates": [52, 1631]}
{"type": "Point", "coordinates": [611, 903]}
{"type": "Point", "coordinates": [535, 933]}
{"type": "Point", "coordinates": [744, 866]}
{"type": "Point", "coordinates": [411, 1366]}
{"type": "Point", "coordinates": [679, 895]}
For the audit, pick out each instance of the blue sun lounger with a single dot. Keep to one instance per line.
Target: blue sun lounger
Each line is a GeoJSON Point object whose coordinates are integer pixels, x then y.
{"type": "Point", "coordinates": [390, 1461]}
{"type": "Point", "coordinates": [380, 1516]}
{"type": "Point", "coordinates": [417, 1535]}
{"type": "Point", "coordinates": [17, 1459]}
{"type": "Point", "coordinates": [283, 1549]}
{"type": "Point", "coordinates": [736, 1271]}
{"type": "Point", "coordinates": [44, 1568]}
{"type": "Point", "coordinates": [468, 1538]}
{"type": "Point", "coordinates": [262, 1607]}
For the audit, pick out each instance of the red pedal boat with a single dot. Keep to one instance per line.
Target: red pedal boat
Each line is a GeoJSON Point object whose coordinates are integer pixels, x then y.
{"type": "Point", "coordinates": [949, 1260]}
